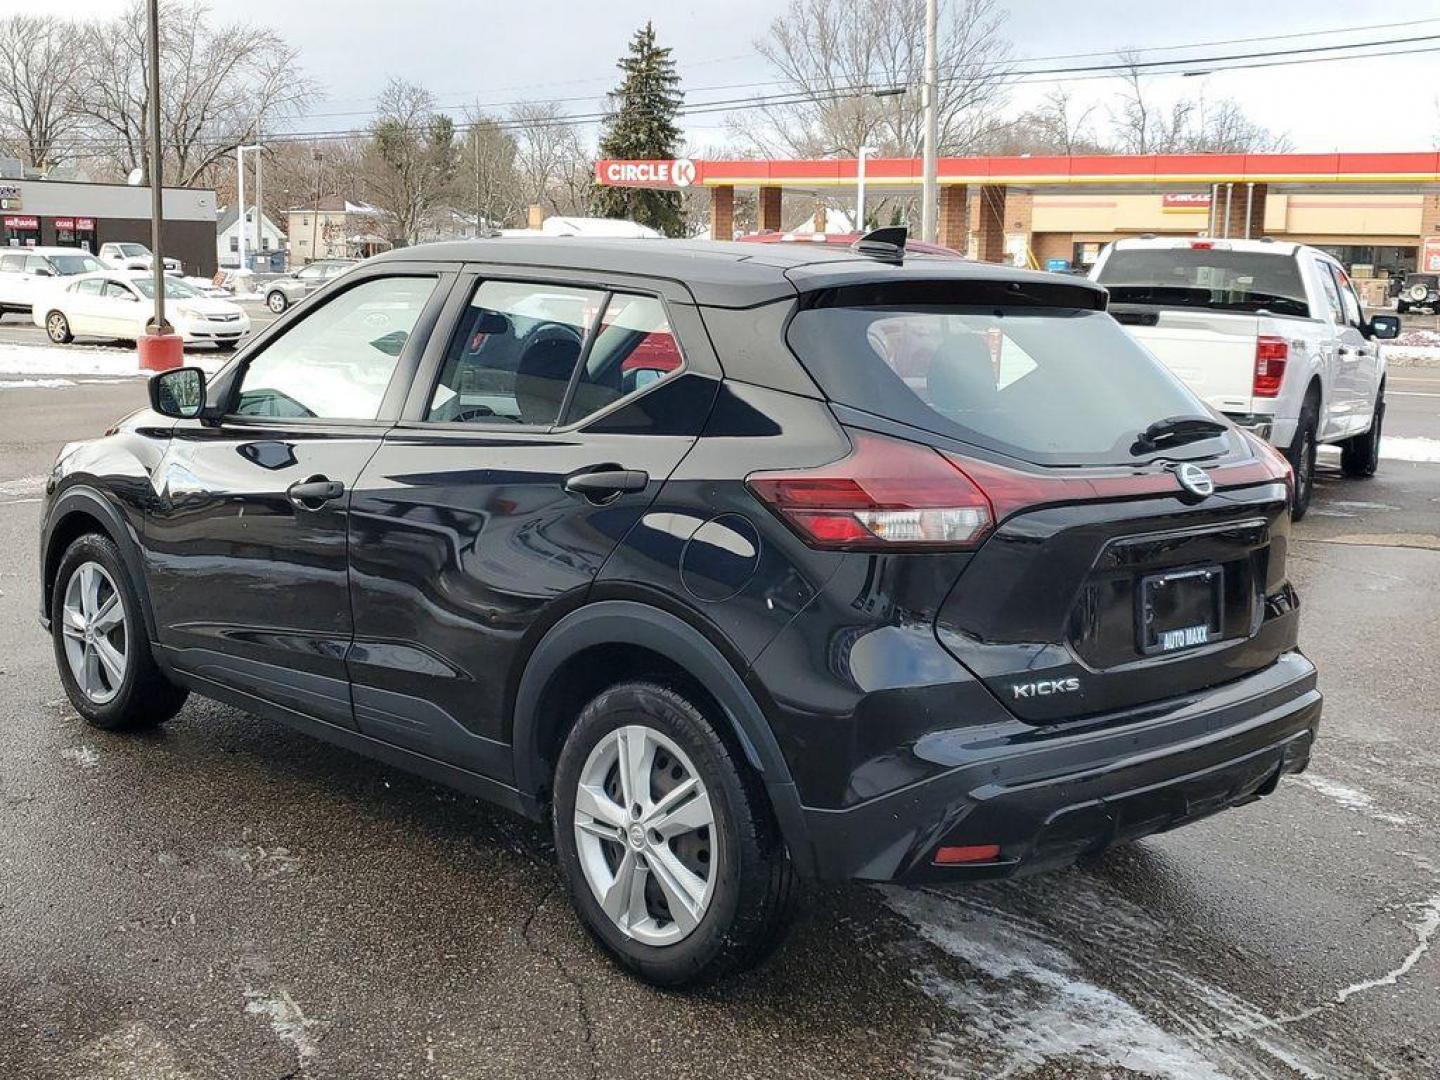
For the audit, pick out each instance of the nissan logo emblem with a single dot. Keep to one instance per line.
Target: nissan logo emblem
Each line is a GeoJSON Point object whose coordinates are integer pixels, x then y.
{"type": "Point", "coordinates": [1195, 480]}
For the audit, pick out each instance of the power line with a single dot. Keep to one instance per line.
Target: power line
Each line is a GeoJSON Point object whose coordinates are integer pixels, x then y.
{"type": "Point", "coordinates": [1232, 62]}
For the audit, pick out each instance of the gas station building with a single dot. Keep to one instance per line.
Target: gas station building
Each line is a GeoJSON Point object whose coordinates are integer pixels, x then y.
{"type": "Point", "coordinates": [1373, 211]}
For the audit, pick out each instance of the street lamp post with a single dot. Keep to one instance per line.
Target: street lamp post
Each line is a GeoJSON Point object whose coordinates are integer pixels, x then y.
{"type": "Point", "coordinates": [865, 151]}
{"type": "Point", "coordinates": [240, 194]}
{"type": "Point", "coordinates": [159, 348]}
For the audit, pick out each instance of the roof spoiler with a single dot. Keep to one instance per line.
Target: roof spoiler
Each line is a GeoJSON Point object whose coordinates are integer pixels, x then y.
{"type": "Point", "coordinates": [887, 243]}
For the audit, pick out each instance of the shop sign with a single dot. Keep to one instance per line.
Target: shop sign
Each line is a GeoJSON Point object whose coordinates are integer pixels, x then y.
{"type": "Point", "coordinates": [22, 223]}
{"type": "Point", "coordinates": [85, 224]}
{"type": "Point", "coordinates": [1183, 202]}
{"type": "Point", "coordinates": [679, 173]}
{"type": "Point", "coordinates": [1430, 255]}
{"type": "Point", "coordinates": [65, 223]}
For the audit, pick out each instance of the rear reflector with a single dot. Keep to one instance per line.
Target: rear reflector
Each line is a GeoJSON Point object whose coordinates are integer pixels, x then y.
{"type": "Point", "coordinates": [887, 494]}
{"type": "Point", "coordinates": [972, 853]}
{"type": "Point", "coordinates": [1271, 355]}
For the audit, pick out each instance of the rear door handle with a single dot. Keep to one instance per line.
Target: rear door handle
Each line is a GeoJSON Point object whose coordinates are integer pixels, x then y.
{"type": "Point", "coordinates": [314, 493]}
{"type": "Point", "coordinates": [603, 484]}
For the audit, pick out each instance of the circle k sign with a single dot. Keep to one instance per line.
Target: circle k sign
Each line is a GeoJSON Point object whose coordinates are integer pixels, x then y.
{"type": "Point", "coordinates": [679, 173]}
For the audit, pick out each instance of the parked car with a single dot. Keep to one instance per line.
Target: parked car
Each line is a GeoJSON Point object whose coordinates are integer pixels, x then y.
{"type": "Point", "coordinates": [24, 272]}
{"type": "Point", "coordinates": [118, 304]}
{"type": "Point", "coordinates": [129, 256]}
{"type": "Point", "coordinates": [1418, 291]}
{"type": "Point", "coordinates": [299, 284]}
{"type": "Point", "coordinates": [1273, 335]}
{"type": "Point", "coordinates": [733, 570]}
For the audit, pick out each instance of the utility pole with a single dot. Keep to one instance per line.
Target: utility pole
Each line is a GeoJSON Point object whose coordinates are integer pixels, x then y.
{"type": "Point", "coordinates": [315, 220]}
{"type": "Point", "coordinates": [259, 200]}
{"type": "Point", "coordinates": [240, 201]}
{"type": "Point", "coordinates": [157, 175]}
{"type": "Point", "coordinates": [930, 195]}
{"type": "Point", "coordinates": [479, 199]}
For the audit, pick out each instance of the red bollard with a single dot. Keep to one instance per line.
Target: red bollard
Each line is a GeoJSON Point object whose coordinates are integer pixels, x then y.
{"type": "Point", "coordinates": [161, 352]}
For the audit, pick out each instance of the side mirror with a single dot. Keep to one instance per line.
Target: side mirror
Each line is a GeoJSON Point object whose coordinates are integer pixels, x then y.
{"type": "Point", "coordinates": [1383, 327]}
{"type": "Point", "coordinates": [179, 393]}
{"type": "Point", "coordinates": [43, 271]}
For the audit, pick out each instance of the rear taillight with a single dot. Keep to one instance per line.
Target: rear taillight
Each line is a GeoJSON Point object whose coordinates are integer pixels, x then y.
{"type": "Point", "coordinates": [1279, 466]}
{"type": "Point", "coordinates": [887, 494]}
{"type": "Point", "coordinates": [1271, 354]}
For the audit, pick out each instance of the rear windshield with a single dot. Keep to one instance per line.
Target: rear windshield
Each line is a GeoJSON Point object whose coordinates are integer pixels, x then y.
{"type": "Point", "coordinates": [1211, 278]}
{"type": "Point", "coordinates": [76, 264]}
{"type": "Point", "coordinates": [1054, 386]}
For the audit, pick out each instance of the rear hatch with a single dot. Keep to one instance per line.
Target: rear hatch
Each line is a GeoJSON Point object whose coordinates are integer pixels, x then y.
{"type": "Point", "coordinates": [1099, 582]}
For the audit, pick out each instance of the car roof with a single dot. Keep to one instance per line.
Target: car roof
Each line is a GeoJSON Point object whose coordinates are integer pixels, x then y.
{"type": "Point", "coordinates": [718, 273]}
{"type": "Point", "coordinates": [1173, 243]}
{"type": "Point", "coordinates": [44, 250]}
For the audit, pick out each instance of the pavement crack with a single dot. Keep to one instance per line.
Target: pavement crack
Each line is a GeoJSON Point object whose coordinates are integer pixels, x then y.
{"type": "Point", "coordinates": [582, 1004]}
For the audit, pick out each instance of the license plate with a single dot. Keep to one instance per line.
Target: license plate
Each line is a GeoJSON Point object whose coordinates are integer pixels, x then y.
{"type": "Point", "coordinates": [1179, 610]}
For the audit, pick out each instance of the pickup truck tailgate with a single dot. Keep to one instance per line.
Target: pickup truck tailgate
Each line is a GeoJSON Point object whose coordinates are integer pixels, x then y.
{"type": "Point", "coordinates": [1212, 352]}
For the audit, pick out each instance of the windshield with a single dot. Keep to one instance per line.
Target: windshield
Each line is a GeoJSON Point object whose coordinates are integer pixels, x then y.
{"type": "Point", "coordinates": [1039, 384]}
{"type": "Point", "coordinates": [1213, 278]}
{"type": "Point", "coordinates": [174, 290]}
{"type": "Point", "coordinates": [132, 249]}
{"type": "Point", "coordinates": [75, 264]}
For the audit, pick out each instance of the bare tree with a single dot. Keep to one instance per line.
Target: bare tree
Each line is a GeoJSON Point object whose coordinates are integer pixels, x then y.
{"type": "Point", "coordinates": [411, 159]}
{"type": "Point", "coordinates": [1057, 125]}
{"type": "Point", "coordinates": [221, 86]}
{"type": "Point", "coordinates": [552, 165]}
{"type": "Point", "coordinates": [488, 183]}
{"type": "Point", "coordinates": [37, 85]}
{"type": "Point", "coordinates": [1145, 124]}
{"type": "Point", "coordinates": [831, 55]}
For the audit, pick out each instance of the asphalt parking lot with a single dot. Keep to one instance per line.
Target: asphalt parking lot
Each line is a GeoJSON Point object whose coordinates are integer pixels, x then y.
{"type": "Point", "coordinates": [225, 898]}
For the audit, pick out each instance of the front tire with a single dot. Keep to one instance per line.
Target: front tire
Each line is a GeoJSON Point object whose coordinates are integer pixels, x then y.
{"type": "Point", "coordinates": [665, 839]}
{"type": "Point", "coordinates": [1360, 454]}
{"type": "Point", "coordinates": [57, 328]}
{"type": "Point", "coordinates": [1302, 457]}
{"type": "Point", "coordinates": [101, 647]}
{"type": "Point", "coordinates": [277, 302]}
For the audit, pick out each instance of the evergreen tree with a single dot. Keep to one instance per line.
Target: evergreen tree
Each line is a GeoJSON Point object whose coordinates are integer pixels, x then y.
{"type": "Point", "coordinates": [642, 125]}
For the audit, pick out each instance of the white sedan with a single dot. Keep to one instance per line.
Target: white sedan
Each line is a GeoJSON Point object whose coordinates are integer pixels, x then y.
{"type": "Point", "coordinates": [117, 304]}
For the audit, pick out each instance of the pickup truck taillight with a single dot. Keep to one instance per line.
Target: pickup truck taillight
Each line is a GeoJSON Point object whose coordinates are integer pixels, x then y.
{"type": "Point", "coordinates": [1271, 353]}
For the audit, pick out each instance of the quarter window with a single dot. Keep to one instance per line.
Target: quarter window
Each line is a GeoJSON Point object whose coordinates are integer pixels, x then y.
{"type": "Point", "coordinates": [634, 348]}
{"type": "Point", "coordinates": [513, 354]}
{"type": "Point", "coordinates": [336, 363]}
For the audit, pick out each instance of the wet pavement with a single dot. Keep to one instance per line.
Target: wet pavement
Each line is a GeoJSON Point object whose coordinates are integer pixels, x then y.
{"type": "Point", "coordinates": [224, 898]}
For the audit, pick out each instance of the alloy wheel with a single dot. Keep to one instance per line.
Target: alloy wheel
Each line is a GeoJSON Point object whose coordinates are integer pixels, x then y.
{"type": "Point", "coordinates": [56, 327]}
{"type": "Point", "coordinates": [94, 630]}
{"type": "Point", "coordinates": [645, 834]}
{"type": "Point", "coordinates": [277, 303]}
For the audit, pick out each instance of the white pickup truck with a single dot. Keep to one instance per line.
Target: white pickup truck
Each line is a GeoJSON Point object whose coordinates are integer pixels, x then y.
{"type": "Point", "coordinates": [1270, 334]}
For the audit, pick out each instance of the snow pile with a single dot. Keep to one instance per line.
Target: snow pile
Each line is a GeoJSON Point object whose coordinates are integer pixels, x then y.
{"type": "Point", "coordinates": [1409, 448]}
{"type": "Point", "coordinates": [62, 363]}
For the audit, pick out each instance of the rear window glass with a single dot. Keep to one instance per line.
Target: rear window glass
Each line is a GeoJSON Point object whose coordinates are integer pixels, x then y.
{"type": "Point", "coordinates": [1055, 386]}
{"type": "Point", "coordinates": [1213, 278]}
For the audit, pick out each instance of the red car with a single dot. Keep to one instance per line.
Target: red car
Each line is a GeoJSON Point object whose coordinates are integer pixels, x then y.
{"type": "Point", "coordinates": [912, 247]}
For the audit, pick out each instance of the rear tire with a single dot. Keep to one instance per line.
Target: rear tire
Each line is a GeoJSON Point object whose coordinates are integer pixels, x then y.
{"type": "Point", "coordinates": [57, 328]}
{"type": "Point", "coordinates": [1401, 307]}
{"type": "Point", "coordinates": [101, 646]}
{"type": "Point", "coordinates": [1360, 454]}
{"type": "Point", "coordinates": [734, 867]}
{"type": "Point", "coordinates": [1302, 456]}
{"type": "Point", "coordinates": [277, 302]}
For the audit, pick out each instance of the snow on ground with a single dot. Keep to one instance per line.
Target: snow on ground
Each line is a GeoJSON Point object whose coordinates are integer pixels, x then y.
{"type": "Point", "coordinates": [60, 364]}
{"type": "Point", "coordinates": [1409, 448]}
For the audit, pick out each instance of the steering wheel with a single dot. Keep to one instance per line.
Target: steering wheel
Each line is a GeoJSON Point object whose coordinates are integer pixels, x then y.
{"type": "Point", "coordinates": [475, 412]}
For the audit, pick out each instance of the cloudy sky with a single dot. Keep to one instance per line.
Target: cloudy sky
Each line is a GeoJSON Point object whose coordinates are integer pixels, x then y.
{"type": "Point", "coordinates": [498, 51]}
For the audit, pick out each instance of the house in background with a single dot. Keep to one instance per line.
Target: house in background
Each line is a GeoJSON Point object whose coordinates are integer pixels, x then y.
{"type": "Point", "coordinates": [270, 257]}
{"type": "Point", "coordinates": [338, 229]}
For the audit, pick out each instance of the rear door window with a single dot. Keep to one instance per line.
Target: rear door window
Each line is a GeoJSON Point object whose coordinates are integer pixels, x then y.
{"type": "Point", "coordinates": [634, 348]}
{"type": "Point", "coordinates": [513, 354]}
{"type": "Point", "coordinates": [1215, 278]}
{"type": "Point", "coordinates": [1054, 386]}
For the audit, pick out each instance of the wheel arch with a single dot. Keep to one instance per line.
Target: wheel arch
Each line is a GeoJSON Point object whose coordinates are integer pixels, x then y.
{"type": "Point", "coordinates": [612, 640]}
{"type": "Point", "coordinates": [77, 511]}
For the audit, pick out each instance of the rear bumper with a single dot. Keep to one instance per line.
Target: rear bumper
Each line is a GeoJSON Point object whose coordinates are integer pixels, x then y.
{"type": "Point", "coordinates": [1049, 796]}
{"type": "Point", "coordinates": [1277, 431]}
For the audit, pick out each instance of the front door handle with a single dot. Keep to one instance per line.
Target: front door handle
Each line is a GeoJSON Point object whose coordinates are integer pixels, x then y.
{"type": "Point", "coordinates": [601, 485]}
{"type": "Point", "coordinates": [314, 493]}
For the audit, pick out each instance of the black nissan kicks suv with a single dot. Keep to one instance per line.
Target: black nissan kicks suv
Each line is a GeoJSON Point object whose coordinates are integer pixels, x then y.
{"type": "Point", "coordinates": [737, 565]}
